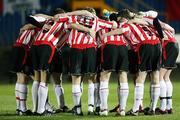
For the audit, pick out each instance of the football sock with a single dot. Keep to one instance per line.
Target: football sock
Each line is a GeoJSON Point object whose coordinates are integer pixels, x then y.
{"type": "Point", "coordinates": [169, 91]}
{"type": "Point", "coordinates": [96, 95]}
{"type": "Point", "coordinates": [17, 96]}
{"type": "Point", "coordinates": [139, 91]}
{"type": "Point", "coordinates": [155, 92]}
{"type": "Point", "coordinates": [23, 96]}
{"type": "Point", "coordinates": [42, 97]}
{"type": "Point", "coordinates": [76, 92]}
{"type": "Point", "coordinates": [124, 91]}
{"type": "Point", "coordinates": [35, 87]}
{"type": "Point", "coordinates": [104, 92]}
{"type": "Point", "coordinates": [90, 97]}
{"type": "Point", "coordinates": [162, 95]}
{"type": "Point", "coordinates": [58, 93]}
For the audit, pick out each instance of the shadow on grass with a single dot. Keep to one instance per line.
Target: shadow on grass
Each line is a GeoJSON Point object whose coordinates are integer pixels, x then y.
{"type": "Point", "coordinates": [7, 114]}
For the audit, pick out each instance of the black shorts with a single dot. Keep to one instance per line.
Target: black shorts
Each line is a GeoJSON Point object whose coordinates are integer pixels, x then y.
{"type": "Point", "coordinates": [115, 58]}
{"type": "Point", "coordinates": [170, 54]}
{"type": "Point", "coordinates": [65, 53]}
{"type": "Point", "coordinates": [133, 61]}
{"type": "Point", "coordinates": [18, 57]}
{"type": "Point", "coordinates": [56, 63]}
{"type": "Point", "coordinates": [149, 57]}
{"type": "Point", "coordinates": [41, 56]}
{"type": "Point", "coordinates": [83, 61]}
{"type": "Point", "coordinates": [28, 70]}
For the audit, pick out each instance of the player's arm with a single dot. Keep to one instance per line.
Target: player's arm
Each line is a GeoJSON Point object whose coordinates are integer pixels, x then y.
{"type": "Point", "coordinates": [106, 24]}
{"type": "Point", "coordinates": [123, 30]}
{"type": "Point", "coordinates": [83, 28]}
{"type": "Point", "coordinates": [167, 27]}
{"type": "Point", "coordinates": [114, 32]}
{"type": "Point", "coordinates": [138, 21]}
{"type": "Point", "coordinates": [150, 13]}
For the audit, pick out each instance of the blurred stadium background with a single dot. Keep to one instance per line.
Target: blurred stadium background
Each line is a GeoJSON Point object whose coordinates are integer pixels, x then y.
{"type": "Point", "coordinates": [13, 12]}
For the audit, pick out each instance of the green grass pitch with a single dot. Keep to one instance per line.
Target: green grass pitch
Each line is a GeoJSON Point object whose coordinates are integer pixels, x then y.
{"type": "Point", "coordinates": [7, 104]}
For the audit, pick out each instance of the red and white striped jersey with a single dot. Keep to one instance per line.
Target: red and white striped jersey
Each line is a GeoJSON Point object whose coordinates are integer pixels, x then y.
{"type": "Point", "coordinates": [81, 40]}
{"type": "Point", "coordinates": [113, 39]}
{"type": "Point", "coordinates": [169, 35]}
{"type": "Point", "coordinates": [137, 34]}
{"type": "Point", "coordinates": [26, 37]}
{"type": "Point", "coordinates": [53, 34]}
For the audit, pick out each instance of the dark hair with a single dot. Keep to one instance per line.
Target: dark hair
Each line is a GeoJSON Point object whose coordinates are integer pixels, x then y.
{"type": "Point", "coordinates": [124, 13]}
{"type": "Point", "coordinates": [104, 18]}
{"type": "Point", "coordinates": [90, 9]}
{"type": "Point", "coordinates": [113, 16]}
{"type": "Point", "coordinates": [58, 11]}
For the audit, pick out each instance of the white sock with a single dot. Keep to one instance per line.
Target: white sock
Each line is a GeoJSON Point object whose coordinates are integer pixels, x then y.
{"type": "Point", "coordinates": [91, 97]}
{"type": "Point", "coordinates": [35, 87]}
{"type": "Point", "coordinates": [96, 95]}
{"type": "Point", "coordinates": [104, 92]}
{"type": "Point", "coordinates": [141, 104]}
{"type": "Point", "coordinates": [162, 95]}
{"type": "Point", "coordinates": [76, 92]}
{"type": "Point", "coordinates": [62, 101]}
{"type": "Point", "coordinates": [155, 92]}
{"type": "Point", "coordinates": [138, 96]}
{"type": "Point", "coordinates": [57, 90]}
{"type": "Point", "coordinates": [23, 96]}
{"type": "Point", "coordinates": [169, 91]}
{"type": "Point", "coordinates": [124, 92]}
{"type": "Point", "coordinates": [42, 97]}
{"type": "Point", "coordinates": [17, 96]}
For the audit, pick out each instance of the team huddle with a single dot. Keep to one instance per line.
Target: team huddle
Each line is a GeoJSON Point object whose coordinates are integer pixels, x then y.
{"type": "Point", "coordinates": [86, 47]}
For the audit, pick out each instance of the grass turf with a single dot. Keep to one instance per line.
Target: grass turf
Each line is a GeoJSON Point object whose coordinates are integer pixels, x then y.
{"type": "Point", "coordinates": [8, 104]}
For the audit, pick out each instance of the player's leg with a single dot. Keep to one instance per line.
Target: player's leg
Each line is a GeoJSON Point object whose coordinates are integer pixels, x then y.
{"type": "Point", "coordinates": [139, 91]}
{"type": "Point", "coordinates": [155, 90]}
{"type": "Point", "coordinates": [162, 89]}
{"type": "Point", "coordinates": [17, 94]}
{"type": "Point", "coordinates": [19, 60]}
{"type": "Point", "coordinates": [76, 74]}
{"type": "Point", "coordinates": [56, 70]}
{"type": "Point", "coordinates": [97, 82]}
{"type": "Point", "coordinates": [97, 101]}
{"type": "Point", "coordinates": [122, 67]}
{"type": "Point", "coordinates": [104, 91]}
{"type": "Point", "coordinates": [89, 70]}
{"type": "Point", "coordinates": [142, 62]}
{"type": "Point", "coordinates": [35, 87]}
{"type": "Point", "coordinates": [91, 94]}
{"type": "Point", "coordinates": [172, 51]}
{"type": "Point", "coordinates": [23, 90]}
{"type": "Point", "coordinates": [154, 66]}
{"type": "Point", "coordinates": [36, 77]}
{"type": "Point", "coordinates": [123, 92]}
{"type": "Point", "coordinates": [76, 92]}
{"type": "Point", "coordinates": [169, 91]}
{"type": "Point", "coordinates": [46, 53]}
{"type": "Point", "coordinates": [108, 65]}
